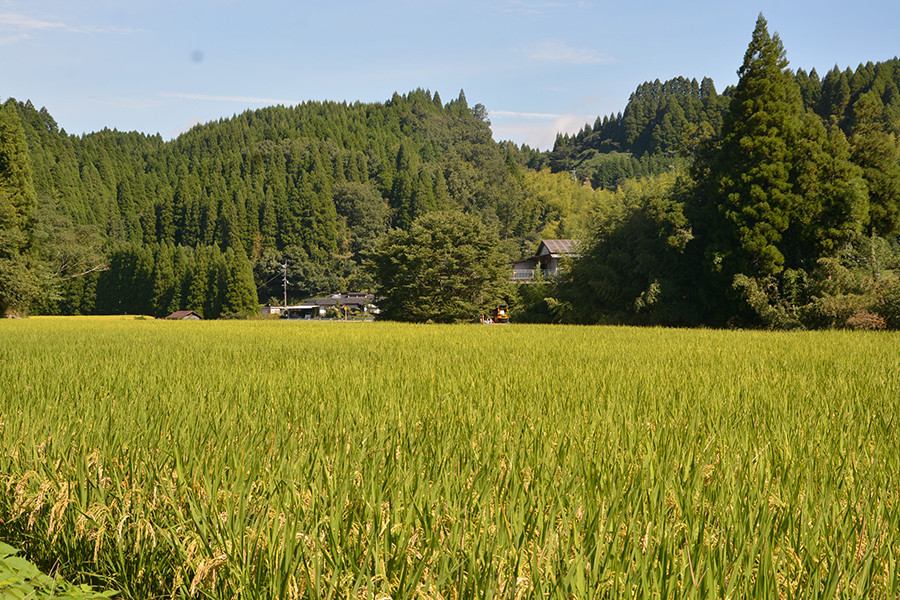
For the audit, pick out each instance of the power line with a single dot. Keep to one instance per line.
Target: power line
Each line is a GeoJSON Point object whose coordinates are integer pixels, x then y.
{"type": "Point", "coordinates": [268, 282]}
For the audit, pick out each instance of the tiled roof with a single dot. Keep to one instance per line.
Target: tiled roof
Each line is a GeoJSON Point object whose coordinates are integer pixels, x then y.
{"type": "Point", "coordinates": [560, 246]}
{"type": "Point", "coordinates": [180, 314]}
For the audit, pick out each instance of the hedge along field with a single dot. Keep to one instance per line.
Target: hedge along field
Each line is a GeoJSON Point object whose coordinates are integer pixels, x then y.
{"type": "Point", "coordinates": [368, 460]}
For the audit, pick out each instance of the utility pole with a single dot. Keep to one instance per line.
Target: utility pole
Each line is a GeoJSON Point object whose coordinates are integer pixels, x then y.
{"type": "Point", "coordinates": [284, 281]}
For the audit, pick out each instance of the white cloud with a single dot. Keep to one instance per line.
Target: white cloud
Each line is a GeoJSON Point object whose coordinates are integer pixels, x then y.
{"type": "Point", "coordinates": [215, 98]}
{"type": "Point", "coordinates": [505, 114]}
{"type": "Point", "coordinates": [14, 39]}
{"type": "Point", "coordinates": [537, 132]}
{"type": "Point", "coordinates": [20, 22]}
{"type": "Point", "coordinates": [533, 9]}
{"type": "Point", "coordinates": [560, 52]}
{"type": "Point", "coordinates": [174, 133]}
{"type": "Point", "coordinates": [128, 103]}
{"type": "Point", "coordinates": [110, 30]}
{"type": "Point", "coordinates": [28, 23]}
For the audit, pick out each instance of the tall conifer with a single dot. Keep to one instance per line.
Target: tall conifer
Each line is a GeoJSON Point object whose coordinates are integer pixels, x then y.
{"type": "Point", "coordinates": [749, 195]}
{"type": "Point", "coordinates": [876, 150]}
{"type": "Point", "coordinates": [18, 284]}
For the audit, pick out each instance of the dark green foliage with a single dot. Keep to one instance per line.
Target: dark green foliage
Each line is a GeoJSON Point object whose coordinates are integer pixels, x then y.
{"type": "Point", "coordinates": [19, 283]}
{"type": "Point", "coordinates": [239, 294]}
{"type": "Point", "coordinates": [22, 580]}
{"type": "Point", "coordinates": [268, 178]}
{"type": "Point", "coordinates": [875, 149]}
{"type": "Point", "coordinates": [315, 183]}
{"type": "Point", "coordinates": [318, 183]}
{"type": "Point", "coordinates": [773, 193]}
{"type": "Point", "coordinates": [790, 214]}
{"type": "Point", "coordinates": [159, 279]}
{"type": "Point", "coordinates": [665, 119]}
{"type": "Point", "coordinates": [832, 200]}
{"type": "Point", "coordinates": [16, 180]}
{"type": "Point", "coordinates": [747, 175]}
{"type": "Point", "coordinates": [530, 303]}
{"type": "Point", "coordinates": [648, 138]}
{"type": "Point", "coordinates": [445, 269]}
{"type": "Point", "coordinates": [633, 270]}
{"type": "Point", "coordinates": [364, 214]}
{"type": "Point", "coordinates": [781, 201]}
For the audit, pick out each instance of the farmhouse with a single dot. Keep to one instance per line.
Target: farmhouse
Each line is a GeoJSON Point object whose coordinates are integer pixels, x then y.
{"type": "Point", "coordinates": [545, 262]}
{"type": "Point", "coordinates": [184, 315]}
{"type": "Point", "coordinates": [346, 302]}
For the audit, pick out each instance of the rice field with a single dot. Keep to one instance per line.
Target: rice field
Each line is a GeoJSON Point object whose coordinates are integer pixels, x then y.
{"type": "Point", "coordinates": [367, 460]}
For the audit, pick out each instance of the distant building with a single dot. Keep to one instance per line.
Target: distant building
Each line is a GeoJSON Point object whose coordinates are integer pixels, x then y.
{"type": "Point", "coordinates": [348, 303]}
{"type": "Point", "coordinates": [272, 311]}
{"type": "Point", "coordinates": [545, 262]}
{"type": "Point", "coordinates": [184, 315]}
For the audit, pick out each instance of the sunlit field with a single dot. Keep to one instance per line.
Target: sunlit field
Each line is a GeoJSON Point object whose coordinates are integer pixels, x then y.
{"type": "Point", "coordinates": [264, 459]}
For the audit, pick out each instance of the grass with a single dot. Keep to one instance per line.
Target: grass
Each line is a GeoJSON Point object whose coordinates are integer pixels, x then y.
{"type": "Point", "coordinates": [309, 460]}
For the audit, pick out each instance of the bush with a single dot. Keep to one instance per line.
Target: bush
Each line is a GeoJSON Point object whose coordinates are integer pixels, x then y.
{"type": "Point", "coordinates": [530, 303]}
{"type": "Point", "coordinates": [19, 579]}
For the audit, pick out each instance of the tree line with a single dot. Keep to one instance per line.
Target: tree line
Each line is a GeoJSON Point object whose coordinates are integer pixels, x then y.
{"type": "Point", "coordinates": [664, 122]}
{"type": "Point", "coordinates": [774, 203]}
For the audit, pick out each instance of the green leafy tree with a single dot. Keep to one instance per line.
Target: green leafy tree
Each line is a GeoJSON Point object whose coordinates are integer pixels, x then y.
{"type": "Point", "coordinates": [166, 287]}
{"type": "Point", "coordinates": [633, 269]}
{"type": "Point", "coordinates": [195, 284]}
{"type": "Point", "coordinates": [445, 269]}
{"type": "Point", "coordinates": [834, 201]}
{"type": "Point", "coordinates": [403, 188]}
{"type": "Point", "coordinates": [16, 177]}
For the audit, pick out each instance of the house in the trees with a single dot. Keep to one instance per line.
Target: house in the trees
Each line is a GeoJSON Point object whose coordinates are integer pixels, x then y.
{"type": "Point", "coordinates": [346, 303]}
{"type": "Point", "coordinates": [546, 261]}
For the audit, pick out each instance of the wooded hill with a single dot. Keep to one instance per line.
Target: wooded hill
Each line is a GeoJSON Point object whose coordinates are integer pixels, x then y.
{"type": "Point", "coordinates": [126, 222]}
{"type": "Point", "coordinates": [664, 122]}
{"type": "Point", "coordinates": [313, 184]}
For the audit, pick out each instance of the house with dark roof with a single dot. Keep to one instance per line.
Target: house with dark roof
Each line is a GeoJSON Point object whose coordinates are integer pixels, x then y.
{"type": "Point", "coordinates": [184, 315]}
{"type": "Point", "coordinates": [347, 303]}
{"type": "Point", "coordinates": [545, 262]}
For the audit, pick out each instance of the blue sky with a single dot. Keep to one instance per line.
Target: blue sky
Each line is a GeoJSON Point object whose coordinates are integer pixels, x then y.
{"type": "Point", "coordinates": [539, 66]}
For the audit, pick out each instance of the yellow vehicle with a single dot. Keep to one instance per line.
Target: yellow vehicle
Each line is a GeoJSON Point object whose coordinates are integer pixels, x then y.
{"type": "Point", "coordinates": [500, 314]}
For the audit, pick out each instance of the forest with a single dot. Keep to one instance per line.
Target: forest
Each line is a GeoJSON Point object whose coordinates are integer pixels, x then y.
{"type": "Point", "coordinates": [775, 203]}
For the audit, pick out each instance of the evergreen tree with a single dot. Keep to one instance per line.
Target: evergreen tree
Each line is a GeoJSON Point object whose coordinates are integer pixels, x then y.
{"type": "Point", "coordinates": [19, 285]}
{"type": "Point", "coordinates": [749, 193]}
{"type": "Point", "coordinates": [835, 95]}
{"type": "Point", "coordinates": [875, 149]}
{"type": "Point", "coordinates": [16, 178]}
{"type": "Point", "coordinates": [632, 269]}
{"type": "Point", "coordinates": [166, 287]}
{"type": "Point", "coordinates": [216, 283]}
{"type": "Point", "coordinates": [239, 297]}
{"type": "Point", "coordinates": [403, 188]}
{"type": "Point", "coordinates": [834, 205]}
{"type": "Point", "coordinates": [196, 284]}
